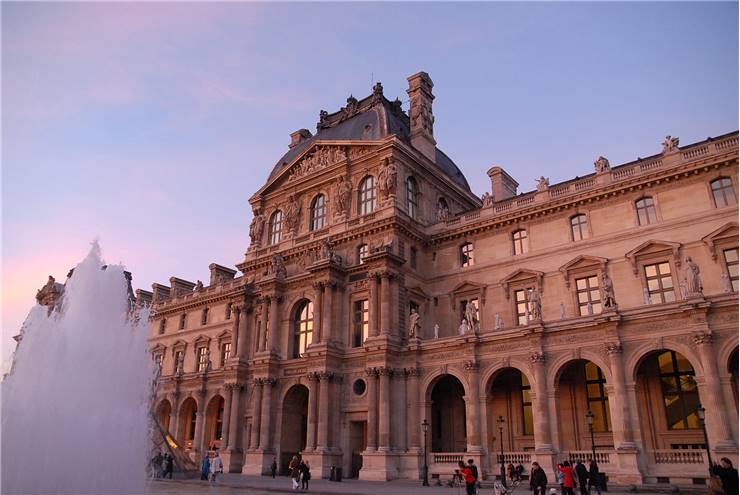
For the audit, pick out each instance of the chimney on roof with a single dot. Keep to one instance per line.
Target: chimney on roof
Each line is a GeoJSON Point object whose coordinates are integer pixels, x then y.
{"type": "Point", "coordinates": [220, 274]}
{"type": "Point", "coordinates": [502, 185]}
{"type": "Point", "coordinates": [299, 136]}
{"type": "Point", "coordinates": [420, 114]}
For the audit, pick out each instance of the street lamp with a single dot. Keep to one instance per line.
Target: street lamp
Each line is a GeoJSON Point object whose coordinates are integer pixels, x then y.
{"type": "Point", "coordinates": [590, 421]}
{"type": "Point", "coordinates": [500, 423]}
{"type": "Point", "coordinates": [701, 413]}
{"type": "Point", "coordinates": [425, 469]}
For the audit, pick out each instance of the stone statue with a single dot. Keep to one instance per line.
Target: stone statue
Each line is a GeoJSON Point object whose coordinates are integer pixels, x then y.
{"type": "Point", "coordinates": [543, 183]}
{"type": "Point", "coordinates": [726, 283]}
{"type": "Point", "coordinates": [691, 274]}
{"type": "Point", "coordinates": [443, 212]}
{"type": "Point", "coordinates": [670, 144]}
{"type": "Point", "coordinates": [487, 199]}
{"type": "Point", "coordinates": [198, 286]}
{"type": "Point", "coordinates": [562, 311]}
{"type": "Point", "coordinates": [388, 178]}
{"type": "Point", "coordinates": [277, 266]}
{"type": "Point", "coordinates": [208, 359]}
{"type": "Point", "coordinates": [499, 322]}
{"type": "Point", "coordinates": [343, 195]}
{"type": "Point", "coordinates": [464, 328]}
{"type": "Point", "coordinates": [257, 228]}
{"type": "Point", "coordinates": [414, 323]}
{"type": "Point", "coordinates": [292, 211]}
{"type": "Point", "coordinates": [589, 308]}
{"type": "Point", "coordinates": [471, 315]}
{"type": "Point", "coordinates": [646, 296]}
{"type": "Point", "coordinates": [327, 250]}
{"type": "Point", "coordinates": [436, 330]}
{"type": "Point", "coordinates": [608, 287]}
{"type": "Point", "coordinates": [536, 304]}
{"type": "Point", "coordinates": [601, 165]}
{"type": "Point", "coordinates": [180, 363]}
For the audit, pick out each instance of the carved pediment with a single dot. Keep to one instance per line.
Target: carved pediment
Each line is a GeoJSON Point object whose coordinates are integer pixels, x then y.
{"type": "Point", "coordinates": [158, 349]}
{"type": "Point", "coordinates": [179, 345]}
{"type": "Point", "coordinates": [469, 288]}
{"type": "Point", "coordinates": [581, 262]}
{"type": "Point", "coordinates": [523, 275]}
{"type": "Point", "coordinates": [728, 233]}
{"type": "Point", "coordinates": [202, 340]}
{"type": "Point", "coordinates": [225, 335]}
{"type": "Point", "coordinates": [654, 247]}
{"type": "Point", "coordinates": [419, 293]}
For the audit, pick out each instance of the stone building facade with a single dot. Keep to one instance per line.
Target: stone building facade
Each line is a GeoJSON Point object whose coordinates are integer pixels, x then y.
{"type": "Point", "coordinates": [379, 292]}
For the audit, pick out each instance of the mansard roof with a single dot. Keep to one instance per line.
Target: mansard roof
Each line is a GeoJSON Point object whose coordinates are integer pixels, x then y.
{"type": "Point", "coordinates": [370, 119]}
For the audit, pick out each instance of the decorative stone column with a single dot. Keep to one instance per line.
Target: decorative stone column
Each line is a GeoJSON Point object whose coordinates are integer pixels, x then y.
{"type": "Point", "coordinates": [384, 414]}
{"type": "Point", "coordinates": [241, 331]}
{"type": "Point", "coordinates": [473, 408]}
{"type": "Point", "coordinates": [542, 438]}
{"type": "Point", "coordinates": [313, 379]}
{"type": "Point", "coordinates": [401, 443]}
{"type": "Point", "coordinates": [228, 391]}
{"type": "Point", "coordinates": [254, 441]}
{"type": "Point", "coordinates": [621, 425]}
{"type": "Point", "coordinates": [374, 304]}
{"type": "Point", "coordinates": [263, 324]}
{"type": "Point", "coordinates": [414, 424]}
{"type": "Point", "coordinates": [274, 324]}
{"type": "Point", "coordinates": [328, 315]}
{"type": "Point", "coordinates": [175, 418]}
{"type": "Point", "coordinates": [233, 426]}
{"type": "Point", "coordinates": [199, 415]}
{"type": "Point", "coordinates": [318, 329]}
{"type": "Point", "coordinates": [267, 412]}
{"type": "Point", "coordinates": [326, 378]}
{"type": "Point", "coordinates": [372, 409]}
{"type": "Point", "coordinates": [385, 305]}
{"type": "Point", "coordinates": [718, 428]}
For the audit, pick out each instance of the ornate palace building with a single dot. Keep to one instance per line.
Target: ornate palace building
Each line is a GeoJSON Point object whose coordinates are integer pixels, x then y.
{"type": "Point", "coordinates": [379, 292]}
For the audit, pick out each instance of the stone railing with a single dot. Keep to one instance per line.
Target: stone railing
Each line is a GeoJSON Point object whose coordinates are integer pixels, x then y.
{"type": "Point", "coordinates": [447, 457]}
{"type": "Point", "coordinates": [602, 457]}
{"type": "Point", "coordinates": [679, 456]}
{"type": "Point", "coordinates": [515, 458]}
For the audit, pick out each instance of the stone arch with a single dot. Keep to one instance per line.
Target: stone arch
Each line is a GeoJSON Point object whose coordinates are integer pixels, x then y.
{"type": "Point", "coordinates": [561, 363]}
{"type": "Point", "coordinates": [293, 423]}
{"type": "Point", "coordinates": [638, 355]}
{"type": "Point", "coordinates": [432, 378]}
{"type": "Point", "coordinates": [214, 415]}
{"type": "Point", "coordinates": [489, 374]}
{"type": "Point", "coordinates": [447, 411]}
{"type": "Point", "coordinates": [301, 326]}
{"type": "Point", "coordinates": [508, 390]}
{"type": "Point", "coordinates": [164, 413]}
{"type": "Point", "coordinates": [727, 350]}
{"type": "Point", "coordinates": [187, 417]}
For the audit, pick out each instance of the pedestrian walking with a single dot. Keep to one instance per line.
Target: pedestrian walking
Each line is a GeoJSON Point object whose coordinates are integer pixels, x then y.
{"type": "Point", "coordinates": [217, 467]}
{"type": "Point", "coordinates": [205, 468]}
{"type": "Point", "coordinates": [305, 469]}
{"type": "Point", "coordinates": [727, 474]}
{"type": "Point", "coordinates": [559, 478]}
{"type": "Point", "coordinates": [569, 481]}
{"type": "Point", "coordinates": [157, 465]}
{"type": "Point", "coordinates": [168, 461]}
{"type": "Point", "coordinates": [593, 477]}
{"type": "Point", "coordinates": [537, 479]}
{"type": "Point", "coordinates": [467, 475]}
{"type": "Point", "coordinates": [582, 474]}
{"type": "Point", "coordinates": [273, 467]}
{"type": "Point", "coordinates": [294, 472]}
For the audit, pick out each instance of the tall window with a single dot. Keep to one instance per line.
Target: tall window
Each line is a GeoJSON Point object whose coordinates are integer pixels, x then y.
{"type": "Point", "coordinates": [521, 243]}
{"type": "Point", "coordinates": [598, 399]}
{"type": "Point", "coordinates": [680, 395]}
{"type": "Point", "coordinates": [660, 283]}
{"type": "Point", "coordinates": [412, 257]}
{"type": "Point", "coordinates": [412, 193]}
{"type": "Point", "coordinates": [302, 328]}
{"type": "Point", "coordinates": [162, 324]}
{"type": "Point", "coordinates": [587, 292]}
{"type": "Point", "coordinates": [579, 227]}
{"type": "Point", "coordinates": [219, 420]}
{"type": "Point", "coordinates": [362, 251]}
{"type": "Point", "coordinates": [646, 211]}
{"type": "Point", "coordinates": [724, 194]}
{"type": "Point", "coordinates": [183, 317]}
{"type": "Point", "coordinates": [158, 361]}
{"type": "Point", "coordinates": [275, 231]}
{"type": "Point", "coordinates": [225, 352]}
{"type": "Point", "coordinates": [318, 212]}
{"type": "Point", "coordinates": [527, 417]}
{"type": "Point", "coordinates": [360, 322]}
{"type": "Point", "coordinates": [202, 359]}
{"type": "Point", "coordinates": [366, 195]}
{"type": "Point", "coordinates": [731, 261]}
{"type": "Point", "coordinates": [467, 255]}
{"type": "Point", "coordinates": [523, 307]}
{"type": "Point", "coordinates": [178, 358]}
{"type": "Point", "coordinates": [204, 316]}
{"type": "Point", "coordinates": [228, 311]}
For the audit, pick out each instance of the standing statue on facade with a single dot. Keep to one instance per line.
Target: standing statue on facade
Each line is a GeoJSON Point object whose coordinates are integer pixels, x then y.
{"type": "Point", "coordinates": [726, 283]}
{"type": "Point", "coordinates": [292, 210]}
{"type": "Point", "coordinates": [608, 288]}
{"type": "Point", "coordinates": [443, 211]}
{"type": "Point", "coordinates": [388, 178]}
{"type": "Point", "coordinates": [562, 311]}
{"type": "Point", "coordinates": [277, 266]}
{"type": "Point", "coordinates": [343, 195]}
{"type": "Point", "coordinates": [646, 296]}
{"type": "Point", "coordinates": [464, 328]}
{"type": "Point", "coordinates": [198, 286]}
{"type": "Point", "coordinates": [543, 183]}
{"type": "Point", "coordinates": [414, 323]}
{"type": "Point", "coordinates": [693, 282]}
{"type": "Point", "coordinates": [471, 315]}
{"type": "Point", "coordinates": [535, 304]}
{"type": "Point", "coordinates": [487, 199]}
{"type": "Point", "coordinates": [601, 165]}
{"type": "Point", "coordinates": [180, 363]}
{"type": "Point", "coordinates": [436, 330]}
{"type": "Point", "coordinates": [498, 322]}
{"type": "Point", "coordinates": [256, 228]}
{"type": "Point", "coordinates": [670, 144]}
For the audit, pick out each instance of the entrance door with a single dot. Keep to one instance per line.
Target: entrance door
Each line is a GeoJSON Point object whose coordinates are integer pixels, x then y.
{"type": "Point", "coordinates": [357, 443]}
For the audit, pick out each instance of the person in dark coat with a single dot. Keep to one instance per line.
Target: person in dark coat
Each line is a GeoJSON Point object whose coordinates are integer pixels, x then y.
{"type": "Point", "coordinates": [205, 468]}
{"type": "Point", "coordinates": [537, 480]}
{"type": "Point", "coordinates": [728, 474]}
{"type": "Point", "coordinates": [273, 467]}
{"type": "Point", "coordinates": [305, 470]}
{"type": "Point", "coordinates": [582, 474]}
{"type": "Point", "coordinates": [593, 476]}
{"type": "Point", "coordinates": [168, 461]}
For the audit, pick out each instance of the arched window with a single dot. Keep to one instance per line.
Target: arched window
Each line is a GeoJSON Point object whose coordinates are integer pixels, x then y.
{"type": "Point", "coordinates": [362, 251]}
{"type": "Point", "coordinates": [724, 194]}
{"type": "Point", "coordinates": [412, 200]}
{"type": "Point", "coordinates": [646, 211]}
{"type": "Point", "coordinates": [467, 254]}
{"type": "Point", "coordinates": [680, 394]}
{"type": "Point", "coordinates": [579, 227]}
{"type": "Point", "coordinates": [318, 212]}
{"type": "Point", "coordinates": [275, 233]}
{"type": "Point", "coordinates": [366, 195]}
{"type": "Point", "coordinates": [521, 242]}
{"type": "Point", "coordinates": [302, 328]}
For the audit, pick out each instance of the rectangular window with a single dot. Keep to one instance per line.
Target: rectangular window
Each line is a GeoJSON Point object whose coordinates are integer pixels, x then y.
{"type": "Point", "coordinates": [204, 317]}
{"type": "Point", "coordinates": [527, 417]}
{"type": "Point", "coordinates": [162, 325]}
{"type": "Point", "coordinates": [660, 283]}
{"type": "Point", "coordinates": [413, 257]}
{"type": "Point", "coordinates": [225, 353]}
{"type": "Point", "coordinates": [579, 227]}
{"type": "Point", "coordinates": [467, 255]}
{"type": "Point", "coordinates": [588, 295]}
{"type": "Point", "coordinates": [182, 321]}
{"type": "Point", "coordinates": [523, 308]}
{"type": "Point", "coordinates": [731, 261]}
{"type": "Point", "coordinates": [202, 359]}
{"type": "Point", "coordinates": [228, 311]}
{"type": "Point", "coordinates": [521, 242]}
{"type": "Point", "coordinates": [360, 322]}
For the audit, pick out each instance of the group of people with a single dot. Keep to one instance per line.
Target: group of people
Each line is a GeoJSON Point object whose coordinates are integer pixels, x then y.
{"type": "Point", "coordinates": [568, 477]}
{"type": "Point", "coordinates": [300, 472]}
{"type": "Point", "coordinates": [211, 467]}
{"type": "Point", "coordinates": [724, 479]}
{"type": "Point", "coordinates": [162, 465]}
{"type": "Point", "coordinates": [467, 474]}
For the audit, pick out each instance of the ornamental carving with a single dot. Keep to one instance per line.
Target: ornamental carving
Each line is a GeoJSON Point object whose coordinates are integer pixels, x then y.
{"type": "Point", "coordinates": [371, 372]}
{"type": "Point", "coordinates": [670, 144]}
{"type": "Point", "coordinates": [257, 228]}
{"type": "Point", "coordinates": [292, 212]}
{"type": "Point", "coordinates": [413, 371]}
{"type": "Point", "coordinates": [702, 338]}
{"type": "Point", "coordinates": [326, 376]}
{"type": "Point", "coordinates": [387, 178]}
{"type": "Point", "coordinates": [601, 165]}
{"type": "Point", "coordinates": [537, 357]}
{"type": "Point", "coordinates": [613, 348]}
{"type": "Point", "coordinates": [385, 371]}
{"type": "Point", "coordinates": [270, 382]}
{"type": "Point", "coordinates": [277, 266]}
{"type": "Point", "coordinates": [342, 196]}
{"type": "Point", "coordinates": [320, 158]}
{"type": "Point", "coordinates": [471, 366]}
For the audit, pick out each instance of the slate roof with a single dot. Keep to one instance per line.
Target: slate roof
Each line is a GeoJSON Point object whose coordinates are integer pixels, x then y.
{"type": "Point", "coordinates": [372, 118]}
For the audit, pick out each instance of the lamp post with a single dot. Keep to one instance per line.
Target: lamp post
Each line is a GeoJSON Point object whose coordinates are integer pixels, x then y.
{"type": "Point", "coordinates": [590, 421]}
{"type": "Point", "coordinates": [425, 468]}
{"type": "Point", "coordinates": [500, 423]}
{"type": "Point", "coordinates": [701, 412]}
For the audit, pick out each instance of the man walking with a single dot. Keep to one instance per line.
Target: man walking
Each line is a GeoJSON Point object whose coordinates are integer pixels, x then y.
{"type": "Point", "coordinates": [537, 479]}
{"type": "Point", "coordinates": [273, 467]}
{"type": "Point", "coordinates": [593, 476]}
{"type": "Point", "coordinates": [582, 474]}
{"type": "Point", "coordinates": [216, 467]}
{"type": "Point", "coordinates": [167, 465]}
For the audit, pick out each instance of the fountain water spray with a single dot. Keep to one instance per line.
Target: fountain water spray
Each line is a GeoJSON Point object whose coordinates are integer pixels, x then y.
{"type": "Point", "coordinates": [75, 404]}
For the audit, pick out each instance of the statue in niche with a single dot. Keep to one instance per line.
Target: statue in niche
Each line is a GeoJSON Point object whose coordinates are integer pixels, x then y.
{"type": "Point", "coordinates": [601, 165]}
{"type": "Point", "coordinates": [608, 288]}
{"type": "Point", "coordinates": [436, 330]}
{"type": "Point", "coordinates": [180, 363]}
{"type": "Point", "coordinates": [414, 323]}
{"type": "Point", "coordinates": [535, 303]}
{"type": "Point", "coordinates": [691, 274]}
{"type": "Point", "coordinates": [343, 195]}
{"type": "Point", "coordinates": [443, 211]}
{"type": "Point", "coordinates": [388, 178]}
{"type": "Point", "coordinates": [292, 210]}
{"type": "Point", "coordinates": [670, 144]}
{"type": "Point", "coordinates": [277, 266]}
{"type": "Point", "coordinates": [464, 328]}
{"type": "Point", "coordinates": [726, 283]}
{"type": "Point", "coordinates": [543, 183]}
{"type": "Point", "coordinates": [257, 228]}
{"type": "Point", "coordinates": [471, 315]}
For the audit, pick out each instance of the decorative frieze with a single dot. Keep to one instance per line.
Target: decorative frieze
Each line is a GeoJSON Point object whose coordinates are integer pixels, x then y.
{"type": "Point", "coordinates": [318, 159]}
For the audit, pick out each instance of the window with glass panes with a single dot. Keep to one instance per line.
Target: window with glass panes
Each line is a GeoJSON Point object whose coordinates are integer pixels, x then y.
{"type": "Point", "coordinates": [523, 308]}
{"type": "Point", "coordinates": [275, 230]}
{"type": "Point", "coordinates": [302, 328]}
{"type": "Point", "coordinates": [527, 417]}
{"type": "Point", "coordinates": [162, 324]}
{"type": "Point", "coordinates": [204, 316]}
{"type": "Point", "coordinates": [467, 254]}
{"type": "Point", "coordinates": [731, 262]}
{"type": "Point", "coordinates": [219, 420]}
{"type": "Point", "coordinates": [411, 197]}
{"type": "Point", "coordinates": [318, 212]}
{"type": "Point", "coordinates": [598, 399]}
{"type": "Point", "coordinates": [360, 322]}
{"type": "Point", "coordinates": [412, 257]}
{"type": "Point", "coordinates": [367, 196]}
{"type": "Point", "coordinates": [362, 251]}
{"type": "Point", "coordinates": [579, 227]}
{"type": "Point", "coordinates": [202, 359]}
{"type": "Point", "coordinates": [587, 292]}
{"type": "Point", "coordinates": [646, 213]}
{"type": "Point", "coordinates": [724, 194]}
{"type": "Point", "coordinates": [228, 311]}
{"type": "Point", "coordinates": [225, 352]}
{"type": "Point", "coordinates": [521, 243]}
{"type": "Point", "coordinates": [182, 321]}
{"type": "Point", "coordinates": [680, 395]}
{"type": "Point", "coordinates": [660, 283]}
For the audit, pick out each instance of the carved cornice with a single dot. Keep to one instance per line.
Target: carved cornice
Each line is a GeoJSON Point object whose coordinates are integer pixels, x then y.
{"type": "Point", "coordinates": [326, 376]}
{"type": "Point", "coordinates": [385, 371]}
{"type": "Point", "coordinates": [312, 376]}
{"type": "Point", "coordinates": [413, 372]}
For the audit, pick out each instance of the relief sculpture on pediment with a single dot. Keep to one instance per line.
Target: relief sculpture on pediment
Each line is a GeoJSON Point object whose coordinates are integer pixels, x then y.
{"type": "Point", "coordinates": [321, 158]}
